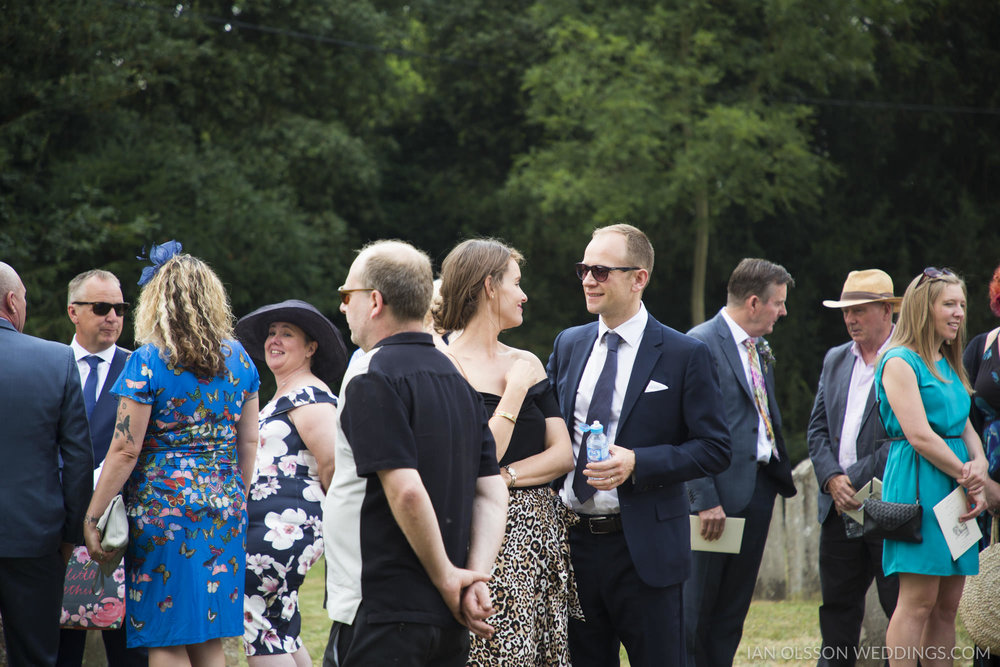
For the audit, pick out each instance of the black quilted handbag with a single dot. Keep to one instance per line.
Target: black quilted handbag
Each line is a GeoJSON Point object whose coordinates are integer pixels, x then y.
{"type": "Point", "coordinates": [893, 521]}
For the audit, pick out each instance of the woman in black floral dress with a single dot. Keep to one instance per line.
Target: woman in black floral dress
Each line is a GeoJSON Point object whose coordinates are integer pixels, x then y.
{"type": "Point", "coordinates": [294, 466]}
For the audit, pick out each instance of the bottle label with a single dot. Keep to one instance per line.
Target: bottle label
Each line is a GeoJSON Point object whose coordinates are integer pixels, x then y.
{"type": "Point", "coordinates": [597, 447]}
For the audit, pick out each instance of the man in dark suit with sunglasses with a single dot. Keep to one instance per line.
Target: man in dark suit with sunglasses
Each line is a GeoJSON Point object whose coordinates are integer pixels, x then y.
{"type": "Point", "coordinates": [97, 310]}
{"type": "Point", "coordinates": [44, 421]}
{"type": "Point", "coordinates": [657, 395]}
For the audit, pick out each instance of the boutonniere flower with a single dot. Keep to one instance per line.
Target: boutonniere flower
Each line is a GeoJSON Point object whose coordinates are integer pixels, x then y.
{"type": "Point", "coordinates": [765, 354]}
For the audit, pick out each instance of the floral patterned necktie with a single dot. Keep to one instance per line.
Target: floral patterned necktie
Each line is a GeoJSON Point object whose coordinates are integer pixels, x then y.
{"type": "Point", "coordinates": [760, 391]}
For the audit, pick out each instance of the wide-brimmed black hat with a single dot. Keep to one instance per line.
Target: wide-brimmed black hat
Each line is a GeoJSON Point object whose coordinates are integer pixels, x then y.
{"type": "Point", "coordinates": [330, 360]}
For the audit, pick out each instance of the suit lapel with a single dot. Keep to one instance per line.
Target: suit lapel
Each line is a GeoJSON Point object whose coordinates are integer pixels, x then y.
{"type": "Point", "coordinates": [839, 386]}
{"type": "Point", "coordinates": [732, 354]}
{"type": "Point", "coordinates": [646, 358]}
{"type": "Point", "coordinates": [867, 443]}
{"type": "Point", "coordinates": [772, 403]}
{"type": "Point", "coordinates": [579, 354]}
{"type": "Point", "coordinates": [117, 364]}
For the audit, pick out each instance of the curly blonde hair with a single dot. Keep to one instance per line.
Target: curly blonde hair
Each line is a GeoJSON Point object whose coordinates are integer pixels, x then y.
{"type": "Point", "coordinates": [184, 311]}
{"type": "Point", "coordinates": [915, 326]}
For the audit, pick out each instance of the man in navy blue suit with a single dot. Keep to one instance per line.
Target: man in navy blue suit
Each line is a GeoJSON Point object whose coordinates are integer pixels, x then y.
{"type": "Point", "coordinates": [97, 310]}
{"type": "Point", "coordinates": [43, 417]}
{"type": "Point", "coordinates": [717, 596]}
{"type": "Point", "coordinates": [656, 393]}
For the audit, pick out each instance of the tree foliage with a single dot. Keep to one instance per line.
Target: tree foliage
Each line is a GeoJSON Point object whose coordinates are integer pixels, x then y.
{"type": "Point", "coordinates": [670, 114]}
{"type": "Point", "coordinates": [274, 138]}
{"type": "Point", "coordinates": [127, 125]}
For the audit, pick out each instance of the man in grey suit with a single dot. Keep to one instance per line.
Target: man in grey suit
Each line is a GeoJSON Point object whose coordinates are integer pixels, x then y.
{"type": "Point", "coordinates": [717, 595]}
{"type": "Point", "coordinates": [42, 411]}
{"type": "Point", "coordinates": [844, 434]}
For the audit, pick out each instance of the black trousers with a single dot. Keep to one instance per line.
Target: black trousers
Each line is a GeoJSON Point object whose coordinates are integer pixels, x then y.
{"type": "Point", "coordinates": [620, 608]}
{"type": "Point", "coordinates": [365, 644]}
{"type": "Point", "coordinates": [847, 567]}
{"type": "Point", "coordinates": [31, 592]}
{"type": "Point", "coordinates": [717, 595]}
{"type": "Point", "coordinates": [72, 644]}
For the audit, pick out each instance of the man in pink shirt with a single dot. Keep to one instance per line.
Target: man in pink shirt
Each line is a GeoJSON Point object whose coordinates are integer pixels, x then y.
{"type": "Point", "coordinates": [847, 450]}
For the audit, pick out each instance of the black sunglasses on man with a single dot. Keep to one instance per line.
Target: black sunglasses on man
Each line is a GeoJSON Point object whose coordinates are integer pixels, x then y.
{"type": "Point", "coordinates": [101, 308]}
{"type": "Point", "coordinates": [599, 272]}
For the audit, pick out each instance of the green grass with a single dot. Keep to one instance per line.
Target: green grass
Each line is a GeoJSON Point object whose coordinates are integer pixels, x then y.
{"type": "Point", "coordinates": [315, 622]}
{"type": "Point", "coordinates": [773, 630]}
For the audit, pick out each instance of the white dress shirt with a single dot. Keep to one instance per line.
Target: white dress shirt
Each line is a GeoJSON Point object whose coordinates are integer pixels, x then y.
{"type": "Point", "coordinates": [739, 335]}
{"type": "Point", "coordinates": [604, 502]}
{"type": "Point", "coordinates": [102, 369]}
{"type": "Point", "coordinates": [862, 377]}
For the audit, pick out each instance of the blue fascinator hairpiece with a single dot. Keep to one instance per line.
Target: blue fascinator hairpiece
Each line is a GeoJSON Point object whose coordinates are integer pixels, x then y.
{"type": "Point", "coordinates": [158, 255]}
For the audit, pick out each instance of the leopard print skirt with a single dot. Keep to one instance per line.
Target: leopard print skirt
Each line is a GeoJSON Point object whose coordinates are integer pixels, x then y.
{"type": "Point", "coordinates": [533, 589]}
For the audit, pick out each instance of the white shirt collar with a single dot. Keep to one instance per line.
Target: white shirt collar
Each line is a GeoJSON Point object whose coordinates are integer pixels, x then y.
{"type": "Point", "coordinates": [856, 349]}
{"type": "Point", "coordinates": [739, 333]}
{"type": "Point", "coordinates": [630, 330]}
{"type": "Point", "coordinates": [80, 351]}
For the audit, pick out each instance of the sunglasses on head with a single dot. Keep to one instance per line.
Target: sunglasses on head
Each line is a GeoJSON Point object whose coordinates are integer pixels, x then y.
{"type": "Point", "coordinates": [932, 273]}
{"type": "Point", "coordinates": [101, 308]}
{"type": "Point", "coordinates": [599, 272]}
{"type": "Point", "coordinates": [345, 294]}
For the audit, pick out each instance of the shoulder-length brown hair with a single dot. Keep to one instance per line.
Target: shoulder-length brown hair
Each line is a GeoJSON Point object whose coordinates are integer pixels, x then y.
{"type": "Point", "coordinates": [184, 311]}
{"type": "Point", "coordinates": [915, 326]}
{"type": "Point", "coordinates": [463, 278]}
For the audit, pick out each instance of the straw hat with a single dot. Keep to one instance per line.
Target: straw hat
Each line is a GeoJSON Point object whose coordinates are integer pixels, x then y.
{"type": "Point", "coordinates": [330, 360]}
{"type": "Point", "coordinates": [980, 607]}
{"type": "Point", "coordinates": [868, 286]}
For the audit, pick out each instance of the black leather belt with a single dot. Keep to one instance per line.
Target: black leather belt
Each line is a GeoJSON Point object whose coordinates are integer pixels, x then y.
{"type": "Point", "coordinates": [603, 524]}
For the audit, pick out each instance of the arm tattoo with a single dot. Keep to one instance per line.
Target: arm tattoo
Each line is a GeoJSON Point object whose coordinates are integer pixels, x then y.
{"type": "Point", "coordinates": [123, 427]}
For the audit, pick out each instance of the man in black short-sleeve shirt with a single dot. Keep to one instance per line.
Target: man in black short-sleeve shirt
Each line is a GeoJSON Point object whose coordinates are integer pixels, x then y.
{"type": "Point", "coordinates": [415, 513]}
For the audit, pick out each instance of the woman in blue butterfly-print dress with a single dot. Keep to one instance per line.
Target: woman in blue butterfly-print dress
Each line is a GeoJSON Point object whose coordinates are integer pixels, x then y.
{"type": "Point", "coordinates": [184, 447]}
{"type": "Point", "coordinates": [295, 462]}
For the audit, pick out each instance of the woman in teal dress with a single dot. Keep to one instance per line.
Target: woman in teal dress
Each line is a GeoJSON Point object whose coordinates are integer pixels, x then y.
{"type": "Point", "coordinates": [184, 447]}
{"type": "Point", "coordinates": [924, 399]}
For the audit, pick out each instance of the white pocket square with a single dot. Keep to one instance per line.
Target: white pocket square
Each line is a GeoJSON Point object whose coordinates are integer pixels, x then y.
{"type": "Point", "coordinates": [655, 386]}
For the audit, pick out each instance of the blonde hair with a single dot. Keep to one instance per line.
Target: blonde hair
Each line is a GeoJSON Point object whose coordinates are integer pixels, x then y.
{"type": "Point", "coordinates": [463, 278]}
{"type": "Point", "coordinates": [184, 311]}
{"type": "Point", "coordinates": [915, 325]}
{"type": "Point", "coordinates": [75, 285]}
{"type": "Point", "coordinates": [638, 249]}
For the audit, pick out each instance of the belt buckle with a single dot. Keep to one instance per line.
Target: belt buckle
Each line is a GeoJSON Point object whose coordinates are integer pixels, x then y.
{"type": "Point", "coordinates": [604, 525]}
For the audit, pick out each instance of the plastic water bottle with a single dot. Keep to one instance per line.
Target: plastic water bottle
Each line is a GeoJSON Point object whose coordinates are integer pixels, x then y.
{"type": "Point", "coordinates": [597, 443]}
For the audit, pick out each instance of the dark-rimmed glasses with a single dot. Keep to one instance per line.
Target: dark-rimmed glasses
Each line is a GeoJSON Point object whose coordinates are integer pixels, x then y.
{"type": "Point", "coordinates": [102, 308]}
{"type": "Point", "coordinates": [345, 294]}
{"type": "Point", "coordinates": [932, 273]}
{"type": "Point", "coordinates": [599, 272]}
